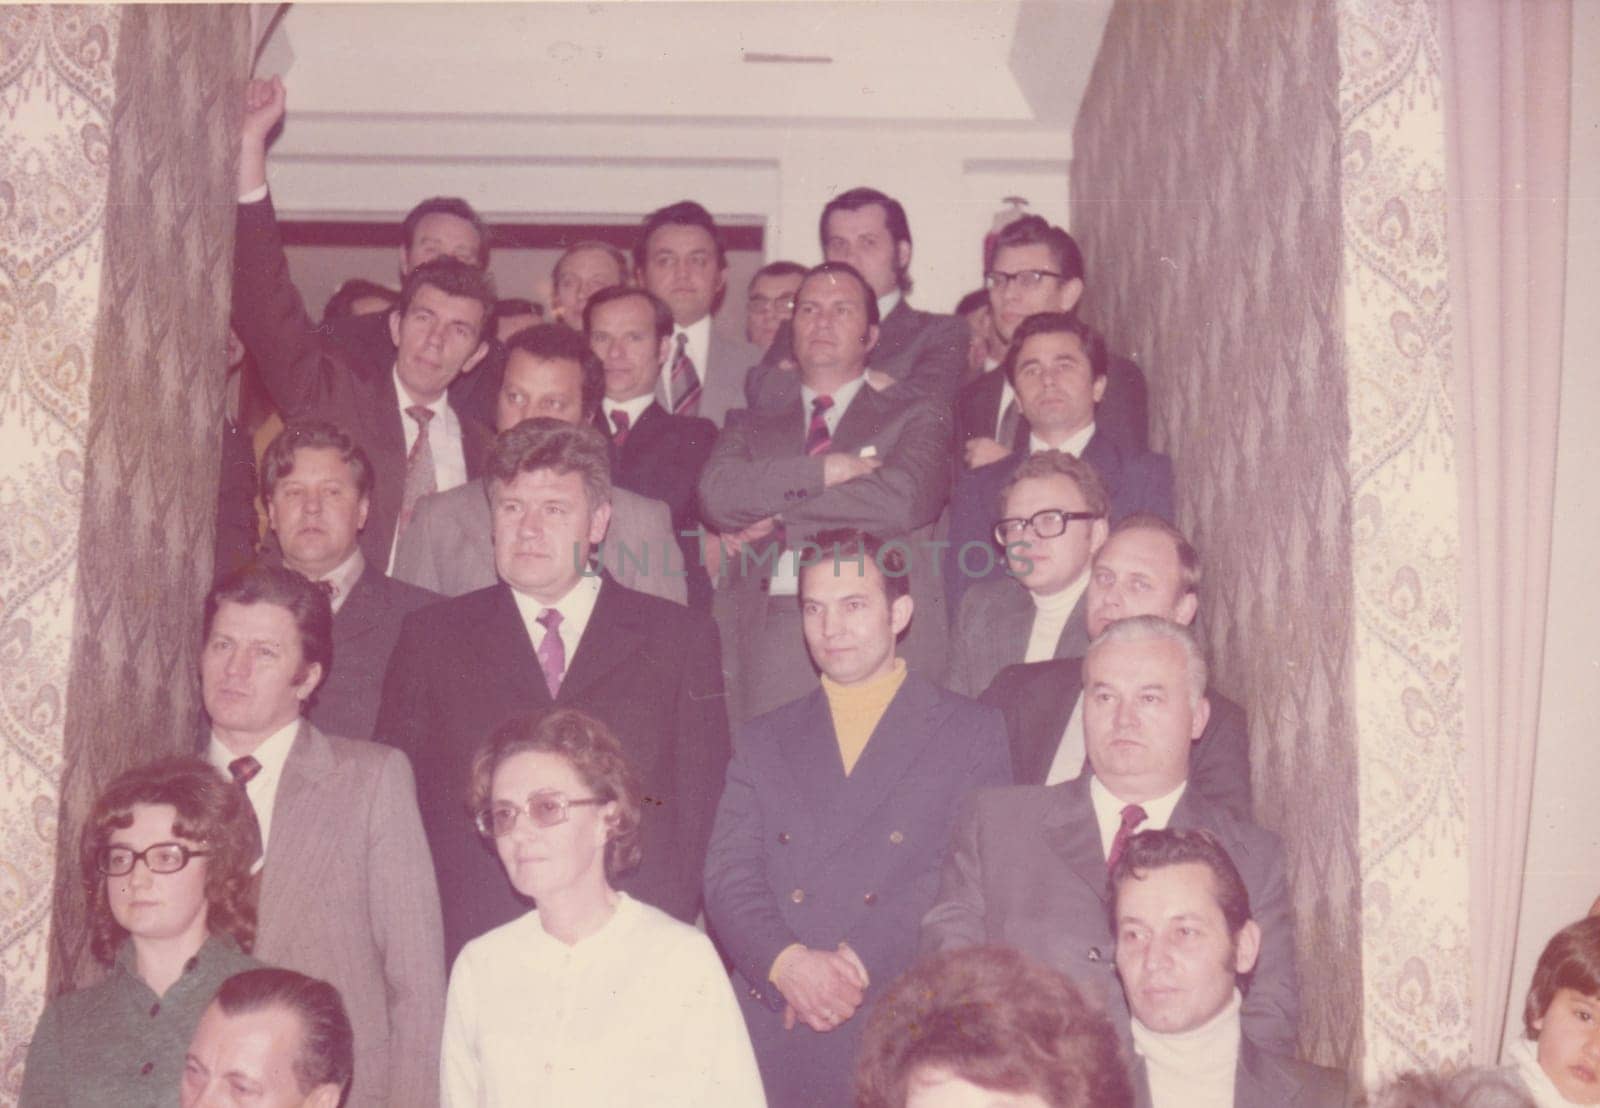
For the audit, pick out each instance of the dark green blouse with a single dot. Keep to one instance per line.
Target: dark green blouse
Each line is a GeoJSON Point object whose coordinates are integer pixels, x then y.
{"type": "Point", "coordinates": [117, 1043]}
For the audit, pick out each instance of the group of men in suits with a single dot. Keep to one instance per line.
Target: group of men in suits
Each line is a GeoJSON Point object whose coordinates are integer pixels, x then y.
{"type": "Point", "coordinates": [683, 537]}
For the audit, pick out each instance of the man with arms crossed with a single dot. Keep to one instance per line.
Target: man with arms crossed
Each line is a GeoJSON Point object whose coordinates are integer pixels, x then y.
{"type": "Point", "coordinates": [347, 889]}
{"type": "Point", "coordinates": [1027, 865]}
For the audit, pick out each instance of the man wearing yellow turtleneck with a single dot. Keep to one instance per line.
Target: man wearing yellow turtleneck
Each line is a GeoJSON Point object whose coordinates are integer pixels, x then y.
{"type": "Point", "coordinates": [836, 816]}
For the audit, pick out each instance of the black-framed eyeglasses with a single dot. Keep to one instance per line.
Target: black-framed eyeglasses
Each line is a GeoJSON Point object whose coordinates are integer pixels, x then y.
{"type": "Point", "coordinates": [1044, 525]}
{"type": "Point", "coordinates": [761, 305]}
{"type": "Point", "coordinates": [118, 861]}
{"type": "Point", "coordinates": [546, 808]}
{"type": "Point", "coordinates": [996, 280]}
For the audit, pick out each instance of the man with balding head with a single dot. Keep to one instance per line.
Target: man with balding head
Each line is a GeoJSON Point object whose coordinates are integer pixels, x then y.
{"type": "Point", "coordinates": [1028, 865]}
{"type": "Point", "coordinates": [1146, 568]}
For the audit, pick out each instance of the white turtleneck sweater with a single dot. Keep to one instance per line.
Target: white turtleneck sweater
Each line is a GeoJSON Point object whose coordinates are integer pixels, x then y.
{"type": "Point", "coordinates": [1524, 1057]}
{"type": "Point", "coordinates": [1192, 1069]}
{"type": "Point", "coordinates": [1050, 615]}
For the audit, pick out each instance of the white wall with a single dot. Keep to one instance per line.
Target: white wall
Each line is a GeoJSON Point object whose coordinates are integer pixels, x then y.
{"type": "Point", "coordinates": [554, 123]}
{"type": "Point", "coordinates": [1563, 873]}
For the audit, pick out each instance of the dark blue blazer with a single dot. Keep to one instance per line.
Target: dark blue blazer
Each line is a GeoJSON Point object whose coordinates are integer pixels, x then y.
{"type": "Point", "coordinates": [800, 852]}
{"type": "Point", "coordinates": [1136, 480]}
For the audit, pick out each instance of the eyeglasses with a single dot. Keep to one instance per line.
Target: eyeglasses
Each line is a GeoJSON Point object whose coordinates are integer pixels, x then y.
{"type": "Point", "coordinates": [118, 861]}
{"type": "Point", "coordinates": [546, 808]}
{"type": "Point", "coordinates": [761, 305]}
{"type": "Point", "coordinates": [996, 280]}
{"type": "Point", "coordinates": [1044, 525]}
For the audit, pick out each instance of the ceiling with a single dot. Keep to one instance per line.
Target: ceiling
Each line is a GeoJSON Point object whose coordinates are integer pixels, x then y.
{"type": "Point", "coordinates": [1013, 62]}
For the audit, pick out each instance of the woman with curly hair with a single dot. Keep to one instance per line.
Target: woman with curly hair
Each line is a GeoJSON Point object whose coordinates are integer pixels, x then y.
{"type": "Point", "coordinates": [592, 997]}
{"type": "Point", "coordinates": [166, 856]}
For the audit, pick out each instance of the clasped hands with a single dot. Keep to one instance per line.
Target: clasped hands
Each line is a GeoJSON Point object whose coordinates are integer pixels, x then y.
{"type": "Point", "coordinates": [823, 988]}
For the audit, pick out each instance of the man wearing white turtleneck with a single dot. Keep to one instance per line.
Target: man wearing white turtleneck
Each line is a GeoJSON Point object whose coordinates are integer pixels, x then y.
{"type": "Point", "coordinates": [1186, 944]}
{"type": "Point", "coordinates": [1052, 520]}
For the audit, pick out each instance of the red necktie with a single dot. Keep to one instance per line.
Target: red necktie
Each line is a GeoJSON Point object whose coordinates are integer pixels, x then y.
{"type": "Point", "coordinates": [1132, 816]}
{"type": "Point", "coordinates": [619, 420]}
{"type": "Point", "coordinates": [685, 382]}
{"type": "Point", "coordinates": [818, 438]}
{"type": "Point", "coordinates": [552, 652]}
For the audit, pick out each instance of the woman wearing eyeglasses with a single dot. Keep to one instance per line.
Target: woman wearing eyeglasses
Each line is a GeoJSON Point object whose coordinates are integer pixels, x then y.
{"type": "Point", "coordinates": [166, 856]}
{"type": "Point", "coordinates": [592, 997]}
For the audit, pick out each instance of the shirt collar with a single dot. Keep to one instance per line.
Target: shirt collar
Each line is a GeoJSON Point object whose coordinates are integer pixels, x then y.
{"type": "Point", "coordinates": [440, 407]}
{"type": "Point", "coordinates": [841, 397]}
{"type": "Point", "coordinates": [635, 407]}
{"type": "Point", "coordinates": [343, 577]}
{"type": "Point", "coordinates": [575, 607]}
{"type": "Point", "coordinates": [271, 752]}
{"type": "Point", "coordinates": [1108, 807]}
{"type": "Point", "coordinates": [699, 333]}
{"type": "Point", "coordinates": [1075, 445]}
{"type": "Point", "coordinates": [887, 303]}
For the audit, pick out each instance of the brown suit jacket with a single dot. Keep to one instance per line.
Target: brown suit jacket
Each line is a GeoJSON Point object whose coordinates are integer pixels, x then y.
{"type": "Point", "coordinates": [348, 896]}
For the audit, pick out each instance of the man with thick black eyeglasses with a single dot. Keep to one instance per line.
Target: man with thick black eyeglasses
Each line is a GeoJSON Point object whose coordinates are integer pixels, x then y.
{"type": "Point", "coordinates": [1053, 519]}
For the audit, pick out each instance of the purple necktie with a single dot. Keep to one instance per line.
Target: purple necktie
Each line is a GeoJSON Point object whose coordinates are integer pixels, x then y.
{"type": "Point", "coordinates": [818, 438]}
{"type": "Point", "coordinates": [619, 420]}
{"type": "Point", "coordinates": [1132, 816]}
{"type": "Point", "coordinates": [552, 654]}
{"type": "Point", "coordinates": [685, 382]}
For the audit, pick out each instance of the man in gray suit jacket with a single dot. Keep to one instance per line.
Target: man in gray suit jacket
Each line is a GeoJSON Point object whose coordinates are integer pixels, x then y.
{"type": "Point", "coordinates": [827, 841]}
{"type": "Point", "coordinates": [1053, 519]}
{"type": "Point", "coordinates": [680, 259]}
{"type": "Point", "coordinates": [347, 886]}
{"type": "Point", "coordinates": [1186, 946]}
{"type": "Point", "coordinates": [918, 354]}
{"type": "Point", "coordinates": [552, 372]}
{"type": "Point", "coordinates": [841, 455]}
{"type": "Point", "coordinates": [1028, 865]}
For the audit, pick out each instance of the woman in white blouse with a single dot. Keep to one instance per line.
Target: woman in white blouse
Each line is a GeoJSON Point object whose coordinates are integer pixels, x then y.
{"type": "Point", "coordinates": [593, 998]}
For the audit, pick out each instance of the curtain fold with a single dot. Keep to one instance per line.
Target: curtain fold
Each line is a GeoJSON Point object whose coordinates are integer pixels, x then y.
{"type": "Point", "coordinates": [1507, 98]}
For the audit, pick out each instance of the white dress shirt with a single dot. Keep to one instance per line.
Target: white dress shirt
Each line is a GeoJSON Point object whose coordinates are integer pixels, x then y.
{"type": "Point", "coordinates": [575, 608]}
{"type": "Point", "coordinates": [1050, 615]}
{"type": "Point", "coordinates": [887, 303]}
{"type": "Point", "coordinates": [343, 577]}
{"type": "Point", "coordinates": [1108, 811]}
{"type": "Point", "coordinates": [444, 437]}
{"type": "Point", "coordinates": [635, 408]}
{"type": "Point", "coordinates": [1007, 395]}
{"type": "Point", "coordinates": [263, 787]}
{"type": "Point", "coordinates": [1075, 444]}
{"type": "Point", "coordinates": [639, 1013]}
{"type": "Point", "coordinates": [785, 580]}
{"type": "Point", "coordinates": [699, 351]}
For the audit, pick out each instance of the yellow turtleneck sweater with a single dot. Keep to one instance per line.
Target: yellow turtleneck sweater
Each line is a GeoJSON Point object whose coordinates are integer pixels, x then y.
{"type": "Point", "coordinates": [856, 709]}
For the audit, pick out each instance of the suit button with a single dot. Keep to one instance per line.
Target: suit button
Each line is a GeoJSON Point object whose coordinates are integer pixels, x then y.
{"type": "Point", "coordinates": [783, 838]}
{"type": "Point", "coordinates": [870, 899]}
{"type": "Point", "coordinates": [897, 837]}
{"type": "Point", "coordinates": [145, 1070]}
{"type": "Point", "coordinates": [798, 896]}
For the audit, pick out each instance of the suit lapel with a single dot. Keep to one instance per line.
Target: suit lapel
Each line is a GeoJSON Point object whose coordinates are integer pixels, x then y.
{"type": "Point", "coordinates": [812, 754]}
{"type": "Point", "coordinates": [1259, 1083]}
{"type": "Point", "coordinates": [1071, 830]}
{"type": "Point", "coordinates": [889, 754]}
{"type": "Point", "coordinates": [1106, 457]}
{"type": "Point", "coordinates": [612, 637]}
{"type": "Point", "coordinates": [504, 647]}
{"type": "Point", "coordinates": [861, 421]}
{"type": "Point", "coordinates": [893, 333]}
{"type": "Point", "coordinates": [298, 843]}
{"type": "Point", "coordinates": [359, 613]}
{"type": "Point", "coordinates": [1074, 640]}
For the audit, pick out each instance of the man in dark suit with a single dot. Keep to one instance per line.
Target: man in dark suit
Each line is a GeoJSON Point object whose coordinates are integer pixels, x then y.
{"type": "Point", "coordinates": [347, 891]}
{"type": "Point", "coordinates": [655, 453]}
{"type": "Point", "coordinates": [1146, 568]}
{"type": "Point", "coordinates": [1053, 520]}
{"type": "Point", "coordinates": [448, 546]}
{"type": "Point", "coordinates": [317, 485]}
{"type": "Point", "coordinates": [1058, 367]}
{"type": "Point", "coordinates": [1033, 266]}
{"type": "Point", "coordinates": [830, 831]}
{"type": "Point", "coordinates": [1027, 866]}
{"type": "Point", "coordinates": [1186, 945]}
{"type": "Point", "coordinates": [398, 410]}
{"type": "Point", "coordinates": [680, 260]}
{"type": "Point", "coordinates": [555, 633]}
{"type": "Point", "coordinates": [840, 455]}
{"type": "Point", "coordinates": [918, 354]}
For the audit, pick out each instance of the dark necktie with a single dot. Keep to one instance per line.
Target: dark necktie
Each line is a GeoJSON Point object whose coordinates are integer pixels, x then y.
{"type": "Point", "coordinates": [818, 438]}
{"type": "Point", "coordinates": [420, 476]}
{"type": "Point", "coordinates": [619, 423]}
{"type": "Point", "coordinates": [685, 382]}
{"type": "Point", "coordinates": [243, 771]}
{"type": "Point", "coordinates": [1132, 816]}
{"type": "Point", "coordinates": [552, 652]}
{"type": "Point", "coordinates": [1010, 421]}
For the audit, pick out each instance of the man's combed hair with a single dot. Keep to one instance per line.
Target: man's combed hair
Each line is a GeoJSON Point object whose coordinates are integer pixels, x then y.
{"type": "Point", "coordinates": [306, 601]}
{"type": "Point", "coordinates": [327, 1046]}
{"type": "Point", "coordinates": [594, 754]}
{"type": "Point", "coordinates": [452, 277]}
{"type": "Point", "coordinates": [1188, 557]}
{"type": "Point", "coordinates": [553, 444]}
{"type": "Point", "coordinates": [1033, 230]}
{"type": "Point", "coordinates": [869, 299]}
{"type": "Point", "coordinates": [894, 218]}
{"type": "Point", "coordinates": [1057, 323]}
{"type": "Point", "coordinates": [277, 461]}
{"type": "Point", "coordinates": [779, 268]}
{"type": "Point", "coordinates": [447, 205]}
{"type": "Point", "coordinates": [995, 1018]}
{"type": "Point", "coordinates": [1148, 851]}
{"type": "Point", "coordinates": [848, 546]}
{"type": "Point", "coordinates": [685, 213]}
{"type": "Point", "coordinates": [658, 306]}
{"type": "Point", "coordinates": [1571, 960]}
{"type": "Point", "coordinates": [615, 253]}
{"type": "Point", "coordinates": [1144, 628]}
{"type": "Point", "coordinates": [1059, 463]}
{"type": "Point", "coordinates": [557, 342]}
{"type": "Point", "coordinates": [210, 812]}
